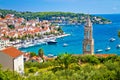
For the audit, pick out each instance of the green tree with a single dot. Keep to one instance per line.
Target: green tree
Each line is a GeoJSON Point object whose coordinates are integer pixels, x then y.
{"type": "Point", "coordinates": [119, 34]}
{"type": "Point", "coordinates": [12, 39]}
{"type": "Point", "coordinates": [64, 60]}
{"type": "Point", "coordinates": [23, 38]}
{"type": "Point", "coordinates": [89, 59]}
{"type": "Point", "coordinates": [32, 54]}
{"type": "Point", "coordinates": [41, 53]}
{"type": "Point", "coordinates": [60, 30]}
{"type": "Point", "coordinates": [9, 75]}
{"type": "Point", "coordinates": [11, 26]}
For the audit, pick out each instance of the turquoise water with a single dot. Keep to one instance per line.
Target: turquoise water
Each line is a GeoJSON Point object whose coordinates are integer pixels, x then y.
{"type": "Point", "coordinates": [102, 33]}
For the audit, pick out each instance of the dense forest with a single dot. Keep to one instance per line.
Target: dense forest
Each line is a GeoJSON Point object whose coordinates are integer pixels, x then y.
{"type": "Point", "coordinates": [66, 17]}
{"type": "Point", "coordinates": [68, 67]}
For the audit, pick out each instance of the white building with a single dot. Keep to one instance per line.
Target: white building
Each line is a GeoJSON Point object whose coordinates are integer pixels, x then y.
{"type": "Point", "coordinates": [1, 44]}
{"type": "Point", "coordinates": [4, 43]}
{"type": "Point", "coordinates": [11, 58]}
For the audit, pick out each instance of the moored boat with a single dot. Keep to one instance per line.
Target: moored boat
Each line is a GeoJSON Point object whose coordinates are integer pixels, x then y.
{"type": "Point", "coordinates": [99, 50]}
{"type": "Point", "coordinates": [65, 44]}
{"type": "Point", "coordinates": [50, 55]}
{"type": "Point", "coordinates": [118, 46]}
{"type": "Point", "coordinates": [50, 42]}
{"type": "Point", "coordinates": [112, 39]}
{"type": "Point", "coordinates": [108, 48]}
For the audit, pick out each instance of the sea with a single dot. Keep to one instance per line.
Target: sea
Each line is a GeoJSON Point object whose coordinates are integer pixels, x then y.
{"type": "Point", "coordinates": [101, 34]}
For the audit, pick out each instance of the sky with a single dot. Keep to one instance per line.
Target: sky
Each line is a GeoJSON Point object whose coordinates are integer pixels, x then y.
{"type": "Point", "coordinates": [77, 6]}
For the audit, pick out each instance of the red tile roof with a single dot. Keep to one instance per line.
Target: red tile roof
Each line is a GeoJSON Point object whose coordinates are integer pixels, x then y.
{"type": "Point", "coordinates": [104, 55]}
{"type": "Point", "coordinates": [11, 51]}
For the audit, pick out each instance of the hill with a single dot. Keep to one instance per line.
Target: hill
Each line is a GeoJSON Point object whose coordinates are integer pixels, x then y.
{"type": "Point", "coordinates": [56, 17]}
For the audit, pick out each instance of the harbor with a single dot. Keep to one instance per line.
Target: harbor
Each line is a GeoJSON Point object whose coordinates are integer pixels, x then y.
{"type": "Point", "coordinates": [105, 37]}
{"type": "Point", "coordinates": [36, 41]}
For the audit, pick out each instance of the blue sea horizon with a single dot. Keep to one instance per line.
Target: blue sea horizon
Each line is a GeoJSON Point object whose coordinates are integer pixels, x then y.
{"type": "Point", "coordinates": [101, 34]}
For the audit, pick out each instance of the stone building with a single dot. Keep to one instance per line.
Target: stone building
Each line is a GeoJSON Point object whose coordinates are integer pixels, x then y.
{"type": "Point", "coordinates": [12, 59]}
{"type": "Point", "coordinates": [88, 42]}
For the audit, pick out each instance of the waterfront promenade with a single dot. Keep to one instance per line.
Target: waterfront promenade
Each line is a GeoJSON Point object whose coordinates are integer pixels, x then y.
{"type": "Point", "coordinates": [36, 41]}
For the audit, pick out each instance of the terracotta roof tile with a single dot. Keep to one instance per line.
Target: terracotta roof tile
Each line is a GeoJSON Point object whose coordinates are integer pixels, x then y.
{"type": "Point", "coordinates": [11, 51]}
{"type": "Point", "coordinates": [104, 55]}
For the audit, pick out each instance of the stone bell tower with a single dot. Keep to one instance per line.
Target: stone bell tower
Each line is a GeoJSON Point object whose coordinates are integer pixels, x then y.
{"type": "Point", "coordinates": [88, 42]}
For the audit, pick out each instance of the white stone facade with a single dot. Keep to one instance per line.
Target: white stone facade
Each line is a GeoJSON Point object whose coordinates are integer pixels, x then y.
{"type": "Point", "coordinates": [19, 64]}
{"type": "Point", "coordinates": [4, 43]}
{"type": "Point", "coordinates": [12, 59]}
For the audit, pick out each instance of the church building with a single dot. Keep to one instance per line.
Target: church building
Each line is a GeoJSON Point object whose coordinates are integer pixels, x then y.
{"type": "Point", "coordinates": [88, 42]}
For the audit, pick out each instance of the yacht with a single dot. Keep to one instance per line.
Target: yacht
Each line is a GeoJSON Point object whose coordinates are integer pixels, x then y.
{"type": "Point", "coordinates": [50, 42]}
{"type": "Point", "coordinates": [112, 39]}
{"type": "Point", "coordinates": [108, 48]}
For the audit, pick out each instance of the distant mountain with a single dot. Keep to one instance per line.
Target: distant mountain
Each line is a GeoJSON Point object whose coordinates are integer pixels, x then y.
{"type": "Point", "coordinates": [56, 17]}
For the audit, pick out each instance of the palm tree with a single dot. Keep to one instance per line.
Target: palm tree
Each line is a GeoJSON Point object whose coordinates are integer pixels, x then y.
{"type": "Point", "coordinates": [41, 53]}
{"type": "Point", "coordinates": [64, 61]}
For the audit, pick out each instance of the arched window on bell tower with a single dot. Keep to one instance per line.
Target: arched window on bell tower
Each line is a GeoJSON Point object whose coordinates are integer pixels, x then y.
{"type": "Point", "coordinates": [88, 47]}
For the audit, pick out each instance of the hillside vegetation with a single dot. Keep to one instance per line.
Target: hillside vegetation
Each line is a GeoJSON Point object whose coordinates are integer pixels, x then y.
{"type": "Point", "coordinates": [68, 67]}
{"type": "Point", "coordinates": [56, 17]}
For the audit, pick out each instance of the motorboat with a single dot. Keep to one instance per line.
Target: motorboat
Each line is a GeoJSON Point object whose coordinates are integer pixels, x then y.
{"type": "Point", "coordinates": [50, 55]}
{"type": "Point", "coordinates": [118, 46]}
{"type": "Point", "coordinates": [99, 50]}
{"type": "Point", "coordinates": [112, 39]}
{"type": "Point", "coordinates": [108, 48]}
{"type": "Point", "coordinates": [64, 45]}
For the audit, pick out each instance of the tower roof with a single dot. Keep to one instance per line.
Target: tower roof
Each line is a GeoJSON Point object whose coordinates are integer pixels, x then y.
{"type": "Point", "coordinates": [88, 21]}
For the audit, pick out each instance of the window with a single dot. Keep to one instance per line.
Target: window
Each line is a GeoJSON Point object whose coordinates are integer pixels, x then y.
{"type": "Point", "coordinates": [88, 34]}
{"type": "Point", "coordinates": [20, 68]}
{"type": "Point", "coordinates": [88, 47]}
